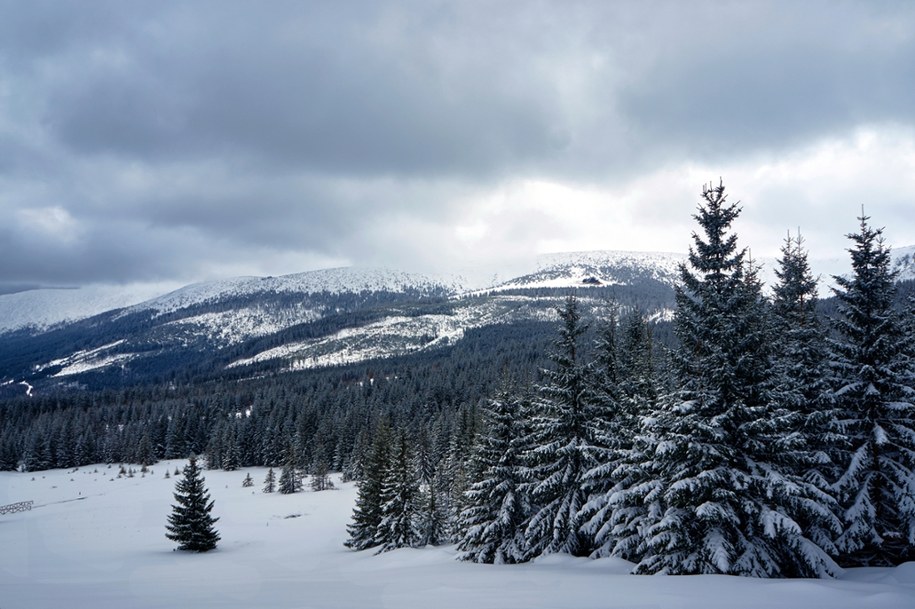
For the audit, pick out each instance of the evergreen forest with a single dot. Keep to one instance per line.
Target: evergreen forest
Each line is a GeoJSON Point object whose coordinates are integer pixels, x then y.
{"type": "Point", "coordinates": [762, 432]}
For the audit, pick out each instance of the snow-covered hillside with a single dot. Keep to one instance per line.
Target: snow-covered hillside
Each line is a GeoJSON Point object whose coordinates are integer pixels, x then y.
{"type": "Point", "coordinates": [352, 315]}
{"type": "Point", "coordinates": [584, 269]}
{"type": "Point", "coordinates": [96, 540]}
{"type": "Point", "coordinates": [401, 335]}
{"type": "Point", "coordinates": [904, 262]}
{"type": "Point", "coordinates": [43, 308]}
{"type": "Point", "coordinates": [331, 281]}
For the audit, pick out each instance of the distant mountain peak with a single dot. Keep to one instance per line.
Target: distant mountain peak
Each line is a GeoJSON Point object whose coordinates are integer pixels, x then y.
{"type": "Point", "coordinates": [597, 268]}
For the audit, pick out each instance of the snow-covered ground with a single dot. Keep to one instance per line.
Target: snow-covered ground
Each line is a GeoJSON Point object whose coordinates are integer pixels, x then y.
{"type": "Point", "coordinates": [97, 541]}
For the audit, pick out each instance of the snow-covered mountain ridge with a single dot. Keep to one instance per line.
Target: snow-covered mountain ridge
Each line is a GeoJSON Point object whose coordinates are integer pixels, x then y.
{"type": "Point", "coordinates": [327, 318]}
{"type": "Point", "coordinates": [596, 268]}
{"type": "Point", "coordinates": [329, 281]}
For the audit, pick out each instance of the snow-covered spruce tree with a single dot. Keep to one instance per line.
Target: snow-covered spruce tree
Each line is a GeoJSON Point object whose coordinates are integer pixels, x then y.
{"type": "Point", "coordinates": [623, 390]}
{"type": "Point", "coordinates": [716, 506]}
{"type": "Point", "coordinates": [248, 481]}
{"type": "Point", "coordinates": [873, 390]}
{"type": "Point", "coordinates": [455, 473]}
{"type": "Point", "coordinates": [434, 523]}
{"type": "Point", "coordinates": [563, 445]}
{"type": "Point", "coordinates": [801, 354]}
{"type": "Point", "coordinates": [802, 398]}
{"type": "Point", "coordinates": [190, 523]}
{"type": "Point", "coordinates": [495, 508]}
{"type": "Point", "coordinates": [270, 481]}
{"type": "Point", "coordinates": [290, 481]}
{"type": "Point", "coordinates": [399, 524]}
{"type": "Point", "coordinates": [367, 513]}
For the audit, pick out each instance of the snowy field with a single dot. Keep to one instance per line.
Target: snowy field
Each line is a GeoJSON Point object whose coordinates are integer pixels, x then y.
{"type": "Point", "coordinates": [96, 541]}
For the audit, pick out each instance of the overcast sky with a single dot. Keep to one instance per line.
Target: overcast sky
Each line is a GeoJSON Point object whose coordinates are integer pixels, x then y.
{"type": "Point", "coordinates": [180, 141]}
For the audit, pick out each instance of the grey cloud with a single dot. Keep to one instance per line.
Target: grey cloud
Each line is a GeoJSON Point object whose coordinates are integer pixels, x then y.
{"type": "Point", "coordinates": [350, 92]}
{"type": "Point", "coordinates": [182, 135]}
{"type": "Point", "coordinates": [767, 76]}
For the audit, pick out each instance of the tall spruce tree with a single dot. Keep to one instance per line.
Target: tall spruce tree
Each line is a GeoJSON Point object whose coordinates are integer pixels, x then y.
{"type": "Point", "coordinates": [718, 507]}
{"type": "Point", "coordinates": [190, 523]}
{"type": "Point", "coordinates": [804, 407]}
{"type": "Point", "coordinates": [802, 358]}
{"type": "Point", "coordinates": [877, 407]}
{"type": "Point", "coordinates": [624, 389]}
{"type": "Point", "coordinates": [563, 437]}
{"type": "Point", "coordinates": [367, 514]}
{"type": "Point", "coordinates": [290, 481]}
{"type": "Point", "coordinates": [399, 524]}
{"type": "Point", "coordinates": [495, 508]}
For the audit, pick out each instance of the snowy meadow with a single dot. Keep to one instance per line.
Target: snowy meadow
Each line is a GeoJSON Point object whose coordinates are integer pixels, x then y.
{"type": "Point", "coordinates": [97, 540]}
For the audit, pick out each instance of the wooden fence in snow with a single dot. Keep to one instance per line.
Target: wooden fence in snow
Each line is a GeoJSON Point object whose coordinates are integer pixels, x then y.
{"type": "Point", "coordinates": [12, 508]}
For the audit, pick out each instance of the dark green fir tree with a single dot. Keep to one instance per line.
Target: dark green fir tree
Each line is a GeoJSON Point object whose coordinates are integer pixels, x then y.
{"type": "Point", "coordinates": [270, 481]}
{"type": "Point", "coordinates": [368, 513]}
{"type": "Point", "coordinates": [873, 390]}
{"type": "Point", "coordinates": [715, 500]}
{"type": "Point", "coordinates": [190, 523]}
{"type": "Point", "coordinates": [495, 508]}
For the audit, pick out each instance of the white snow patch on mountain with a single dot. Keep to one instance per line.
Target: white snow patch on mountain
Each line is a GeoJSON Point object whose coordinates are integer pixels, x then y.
{"type": "Point", "coordinates": [904, 262]}
{"type": "Point", "coordinates": [88, 359]}
{"type": "Point", "coordinates": [237, 325]}
{"type": "Point", "coordinates": [86, 365]}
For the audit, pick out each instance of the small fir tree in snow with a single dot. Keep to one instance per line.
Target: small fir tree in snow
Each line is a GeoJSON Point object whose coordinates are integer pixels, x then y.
{"type": "Point", "coordinates": [290, 480]}
{"type": "Point", "coordinates": [433, 519]}
{"type": "Point", "coordinates": [248, 481]}
{"type": "Point", "coordinates": [320, 478]}
{"type": "Point", "coordinates": [495, 508]}
{"type": "Point", "coordinates": [874, 392]}
{"type": "Point", "coordinates": [270, 481]}
{"type": "Point", "coordinates": [190, 523]}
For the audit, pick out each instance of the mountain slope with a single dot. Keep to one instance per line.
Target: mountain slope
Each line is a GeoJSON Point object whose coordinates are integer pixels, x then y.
{"type": "Point", "coordinates": [252, 325]}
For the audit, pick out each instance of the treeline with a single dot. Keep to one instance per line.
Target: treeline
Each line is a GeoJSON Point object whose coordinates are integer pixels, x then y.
{"type": "Point", "coordinates": [773, 445]}
{"type": "Point", "coordinates": [328, 414]}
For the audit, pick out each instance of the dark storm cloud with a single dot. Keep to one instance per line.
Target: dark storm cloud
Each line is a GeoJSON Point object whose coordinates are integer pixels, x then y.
{"type": "Point", "coordinates": [162, 140]}
{"type": "Point", "coordinates": [354, 90]}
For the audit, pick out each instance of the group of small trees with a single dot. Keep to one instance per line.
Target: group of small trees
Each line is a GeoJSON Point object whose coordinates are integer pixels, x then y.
{"type": "Point", "coordinates": [776, 448]}
{"type": "Point", "coordinates": [291, 480]}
